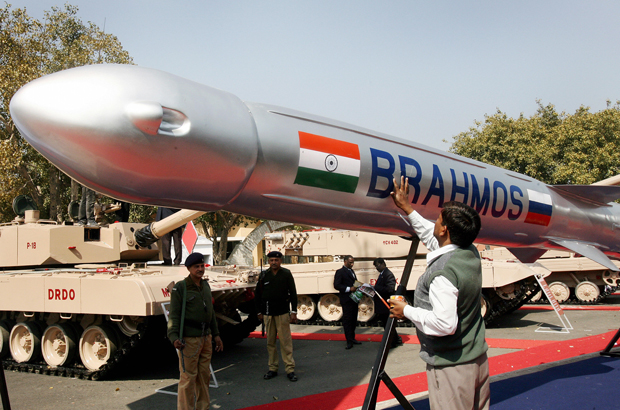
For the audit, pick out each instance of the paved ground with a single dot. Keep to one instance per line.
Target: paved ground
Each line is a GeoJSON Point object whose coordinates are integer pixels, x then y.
{"type": "Point", "coordinates": [322, 366]}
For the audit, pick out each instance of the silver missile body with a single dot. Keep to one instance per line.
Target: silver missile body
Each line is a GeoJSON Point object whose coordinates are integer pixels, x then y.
{"type": "Point", "coordinates": [149, 137]}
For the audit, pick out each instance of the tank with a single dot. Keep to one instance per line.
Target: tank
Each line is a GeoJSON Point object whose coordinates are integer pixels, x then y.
{"type": "Point", "coordinates": [506, 285]}
{"type": "Point", "coordinates": [77, 301]}
{"type": "Point", "coordinates": [573, 278]}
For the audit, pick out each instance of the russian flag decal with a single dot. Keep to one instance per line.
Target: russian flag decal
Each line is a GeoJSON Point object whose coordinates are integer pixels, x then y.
{"type": "Point", "coordinates": [540, 208]}
{"type": "Point", "coordinates": [328, 163]}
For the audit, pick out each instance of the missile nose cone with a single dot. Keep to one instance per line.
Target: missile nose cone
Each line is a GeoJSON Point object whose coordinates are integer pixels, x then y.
{"type": "Point", "coordinates": [139, 134]}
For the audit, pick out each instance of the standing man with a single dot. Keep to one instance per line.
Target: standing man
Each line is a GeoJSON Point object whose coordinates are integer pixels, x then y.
{"type": "Point", "coordinates": [275, 294]}
{"type": "Point", "coordinates": [166, 240]}
{"type": "Point", "coordinates": [446, 309]}
{"type": "Point", "coordinates": [86, 212]}
{"type": "Point", "coordinates": [344, 280]}
{"type": "Point", "coordinates": [191, 327]}
{"type": "Point", "coordinates": [385, 287]}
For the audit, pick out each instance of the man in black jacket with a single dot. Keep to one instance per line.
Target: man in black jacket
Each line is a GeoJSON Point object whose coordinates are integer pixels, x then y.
{"type": "Point", "coordinates": [275, 294]}
{"type": "Point", "coordinates": [386, 287]}
{"type": "Point", "coordinates": [344, 279]}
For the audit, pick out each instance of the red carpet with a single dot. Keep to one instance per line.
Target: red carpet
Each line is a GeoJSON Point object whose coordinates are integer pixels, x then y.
{"type": "Point", "coordinates": [534, 353]}
{"type": "Point", "coordinates": [570, 307]}
{"type": "Point", "coordinates": [495, 343]}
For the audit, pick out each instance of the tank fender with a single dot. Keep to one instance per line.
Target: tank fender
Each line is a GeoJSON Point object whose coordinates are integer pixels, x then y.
{"type": "Point", "coordinates": [498, 274]}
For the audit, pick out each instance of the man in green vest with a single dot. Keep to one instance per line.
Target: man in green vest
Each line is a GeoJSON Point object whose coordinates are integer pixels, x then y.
{"type": "Point", "coordinates": [191, 328]}
{"type": "Point", "coordinates": [446, 310]}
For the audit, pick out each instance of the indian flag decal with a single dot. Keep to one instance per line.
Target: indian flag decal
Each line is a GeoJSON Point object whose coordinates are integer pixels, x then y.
{"type": "Point", "coordinates": [328, 163]}
{"type": "Point", "coordinates": [540, 208]}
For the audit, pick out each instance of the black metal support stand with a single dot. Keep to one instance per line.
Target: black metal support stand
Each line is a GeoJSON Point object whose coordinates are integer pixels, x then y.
{"type": "Point", "coordinates": [370, 402]}
{"type": "Point", "coordinates": [4, 392]}
{"type": "Point", "coordinates": [610, 345]}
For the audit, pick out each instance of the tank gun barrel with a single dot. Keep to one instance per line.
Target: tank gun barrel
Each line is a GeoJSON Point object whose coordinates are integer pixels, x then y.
{"type": "Point", "coordinates": [152, 232]}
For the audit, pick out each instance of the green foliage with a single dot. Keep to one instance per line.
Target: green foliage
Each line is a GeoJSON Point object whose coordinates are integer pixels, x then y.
{"type": "Point", "coordinates": [142, 214]}
{"type": "Point", "coordinates": [555, 148]}
{"type": "Point", "coordinates": [29, 49]}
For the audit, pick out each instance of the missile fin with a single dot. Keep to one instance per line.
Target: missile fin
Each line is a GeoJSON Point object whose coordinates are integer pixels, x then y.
{"type": "Point", "coordinates": [527, 255]}
{"type": "Point", "coordinates": [587, 250]}
{"type": "Point", "coordinates": [596, 194]}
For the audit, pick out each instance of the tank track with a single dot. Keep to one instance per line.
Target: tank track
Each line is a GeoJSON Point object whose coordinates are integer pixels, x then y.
{"type": "Point", "coordinates": [79, 371]}
{"type": "Point", "coordinates": [572, 300]}
{"type": "Point", "coordinates": [499, 307]}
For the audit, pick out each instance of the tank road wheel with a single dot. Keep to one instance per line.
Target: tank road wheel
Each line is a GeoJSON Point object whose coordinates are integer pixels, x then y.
{"type": "Point", "coordinates": [97, 345]}
{"type": "Point", "coordinates": [5, 332]}
{"type": "Point", "coordinates": [537, 297]}
{"type": "Point", "coordinates": [587, 291]}
{"type": "Point", "coordinates": [611, 278]}
{"type": "Point", "coordinates": [485, 307]}
{"type": "Point", "coordinates": [59, 345]}
{"type": "Point", "coordinates": [330, 308]}
{"type": "Point", "coordinates": [306, 308]}
{"type": "Point", "coordinates": [560, 290]}
{"type": "Point", "coordinates": [25, 342]}
{"type": "Point", "coordinates": [366, 309]}
{"type": "Point", "coordinates": [507, 292]}
{"type": "Point", "coordinates": [129, 325]}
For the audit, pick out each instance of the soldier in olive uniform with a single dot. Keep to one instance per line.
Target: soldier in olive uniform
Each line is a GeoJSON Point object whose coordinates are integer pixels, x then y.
{"type": "Point", "coordinates": [192, 335]}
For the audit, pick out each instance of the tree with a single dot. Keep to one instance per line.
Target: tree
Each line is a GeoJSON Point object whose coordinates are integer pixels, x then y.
{"type": "Point", "coordinates": [242, 254]}
{"type": "Point", "coordinates": [555, 148]}
{"type": "Point", "coordinates": [216, 226]}
{"type": "Point", "coordinates": [30, 49]}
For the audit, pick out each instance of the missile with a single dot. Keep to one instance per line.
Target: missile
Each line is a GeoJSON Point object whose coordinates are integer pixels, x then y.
{"type": "Point", "coordinates": [150, 137]}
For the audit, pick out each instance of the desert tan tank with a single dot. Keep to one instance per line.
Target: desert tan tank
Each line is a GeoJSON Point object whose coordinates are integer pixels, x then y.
{"type": "Point", "coordinates": [76, 300]}
{"type": "Point", "coordinates": [573, 278]}
{"type": "Point", "coordinates": [506, 285]}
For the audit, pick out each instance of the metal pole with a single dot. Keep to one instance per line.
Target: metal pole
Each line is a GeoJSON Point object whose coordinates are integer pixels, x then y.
{"type": "Point", "coordinates": [610, 345]}
{"type": "Point", "coordinates": [370, 401]}
{"type": "Point", "coordinates": [394, 389]}
{"type": "Point", "coordinates": [4, 392]}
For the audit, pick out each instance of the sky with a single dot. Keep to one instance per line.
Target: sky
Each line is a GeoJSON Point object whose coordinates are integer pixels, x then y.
{"type": "Point", "coordinates": [422, 71]}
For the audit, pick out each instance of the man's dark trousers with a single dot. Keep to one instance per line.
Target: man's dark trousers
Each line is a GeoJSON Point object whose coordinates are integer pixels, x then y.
{"type": "Point", "coordinates": [349, 317]}
{"type": "Point", "coordinates": [166, 240]}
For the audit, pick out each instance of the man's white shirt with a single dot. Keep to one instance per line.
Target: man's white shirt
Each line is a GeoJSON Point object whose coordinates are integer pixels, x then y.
{"type": "Point", "coordinates": [443, 319]}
